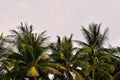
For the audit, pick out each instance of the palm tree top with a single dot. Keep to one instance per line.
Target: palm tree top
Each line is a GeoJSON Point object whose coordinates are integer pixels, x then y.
{"type": "Point", "coordinates": [93, 36]}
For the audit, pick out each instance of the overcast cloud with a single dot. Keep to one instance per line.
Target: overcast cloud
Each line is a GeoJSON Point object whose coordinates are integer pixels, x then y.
{"type": "Point", "coordinates": [62, 17]}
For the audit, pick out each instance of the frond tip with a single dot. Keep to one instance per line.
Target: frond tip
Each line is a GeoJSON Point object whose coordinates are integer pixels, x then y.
{"type": "Point", "coordinates": [32, 72]}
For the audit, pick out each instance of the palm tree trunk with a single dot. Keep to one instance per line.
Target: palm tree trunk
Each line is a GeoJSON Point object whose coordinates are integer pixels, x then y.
{"type": "Point", "coordinates": [34, 78]}
{"type": "Point", "coordinates": [93, 73]}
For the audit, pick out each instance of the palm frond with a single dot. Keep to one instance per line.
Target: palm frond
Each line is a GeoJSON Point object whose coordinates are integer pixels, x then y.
{"type": "Point", "coordinates": [117, 76]}
{"type": "Point", "coordinates": [107, 76]}
{"type": "Point", "coordinates": [77, 75]}
{"type": "Point", "coordinates": [52, 70]}
{"type": "Point", "coordinates": [87, 35]}
{"type": "Point", "coordinates": [108, 67]}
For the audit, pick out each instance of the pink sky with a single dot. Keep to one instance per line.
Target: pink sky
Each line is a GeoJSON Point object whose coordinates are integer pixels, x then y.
{"type": "Point", "coordinates": [62, 17]}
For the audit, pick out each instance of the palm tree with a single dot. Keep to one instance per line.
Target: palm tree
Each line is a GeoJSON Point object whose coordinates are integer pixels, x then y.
{"type": "Point", "coordinates": [5, 65]}
{"type": "Point", "coordinates": [63, 53]}
{"type": "Point", "coordinates": [30, 59]}
{"type": "Point", "coordinates": [95, 54]}
{"type": "Point", "coordinates": [2, 49]}
{"type": "Point", "coordinates": [116, 61]}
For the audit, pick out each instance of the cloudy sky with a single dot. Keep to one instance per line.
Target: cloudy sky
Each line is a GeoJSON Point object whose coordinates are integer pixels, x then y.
{"type": "Point", "coordinates": [62, 17]}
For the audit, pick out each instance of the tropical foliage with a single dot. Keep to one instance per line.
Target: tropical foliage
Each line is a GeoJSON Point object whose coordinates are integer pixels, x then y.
{"type": "Point", "coordinates": [26, 55]}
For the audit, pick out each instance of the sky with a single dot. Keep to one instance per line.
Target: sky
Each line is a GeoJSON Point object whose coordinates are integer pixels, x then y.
{"type": "Point", "coordinates": [62, 17]}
